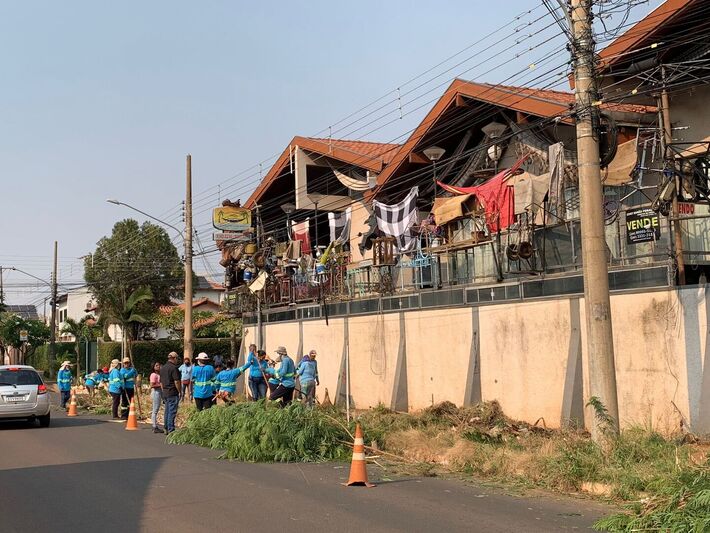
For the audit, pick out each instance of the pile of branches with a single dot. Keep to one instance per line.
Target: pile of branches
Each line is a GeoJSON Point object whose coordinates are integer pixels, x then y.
{"type": "Point", "coordinates": [263, 432]}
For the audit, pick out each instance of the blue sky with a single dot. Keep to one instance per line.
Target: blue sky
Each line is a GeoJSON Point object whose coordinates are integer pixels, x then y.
{"type": "Point", "coordinates": [104, 99]}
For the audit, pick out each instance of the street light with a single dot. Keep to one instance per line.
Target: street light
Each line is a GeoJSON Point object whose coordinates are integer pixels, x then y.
{"type": "Point", "coordinates": [433, 154]}
{"type": "Point", "coordinates": [494, 130]}
{"type": "Point", "coordinates": [117, 202]}
{"type": "Point", "coordinates": [288, 208]}
{"type": "Point", "coordinates": [187, 337]}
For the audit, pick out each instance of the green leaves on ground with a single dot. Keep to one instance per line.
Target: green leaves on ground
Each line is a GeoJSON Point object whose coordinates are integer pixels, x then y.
{"type": "Point", "coordinates": [263, 432]}
{"type": "Point", "coordinates": [683, 505]}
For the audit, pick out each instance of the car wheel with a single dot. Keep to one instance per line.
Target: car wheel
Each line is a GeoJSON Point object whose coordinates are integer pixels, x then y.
{"type": "Point", "coordinates": [44, 421]}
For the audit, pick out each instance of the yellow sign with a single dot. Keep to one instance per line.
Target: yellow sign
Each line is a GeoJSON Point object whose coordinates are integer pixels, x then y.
{"type": "Point", "coordinates": [228, 218]}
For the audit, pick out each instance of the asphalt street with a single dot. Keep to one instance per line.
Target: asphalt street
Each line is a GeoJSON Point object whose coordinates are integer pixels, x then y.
{"type": "Point", "coordinates": [89, 474]}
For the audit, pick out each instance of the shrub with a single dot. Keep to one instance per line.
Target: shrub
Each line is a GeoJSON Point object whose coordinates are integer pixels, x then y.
{"type": "Point", "coordinates": [145, 352]}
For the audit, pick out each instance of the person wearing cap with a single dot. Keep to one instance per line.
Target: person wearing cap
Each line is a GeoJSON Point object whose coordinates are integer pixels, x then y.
{"type": "Point", "coordinates": [170, 385]}
{"type": "Point", "coordinates": [226, 381]}
{"type": "Point", "coordinates": [64, 383]}
{"type": "Point", "coordinates": [256, 362]}
{"type": "Point", "coordinates": [202, 382]}
{"type": "Point", "coordinates": [115, 387]}
{"type": "Point", "coordinates": [308, 377]}
{"type": "Point", "coordinates": [91, 379]}
{"type": "Point", "coordinates": [128, 374]}
{"type": "Point", "coordinates": [286, 375]}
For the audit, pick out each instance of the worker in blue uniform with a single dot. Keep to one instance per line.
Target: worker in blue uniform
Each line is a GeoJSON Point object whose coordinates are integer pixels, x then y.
{"type": "Point", "coordinates": [115, 387]}
{"type": "Point", "coordinates": [203, 376]}
{"type": "Point", "coordinates": [64, 383]}
{"type": "Point", "coordinates": [128, 375]}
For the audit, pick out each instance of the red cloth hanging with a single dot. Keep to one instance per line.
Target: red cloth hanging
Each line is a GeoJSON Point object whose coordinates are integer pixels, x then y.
{"type": "Point", "coordinates": [300, 233]}
{"type": "Point", "coordinates": [495, 195]}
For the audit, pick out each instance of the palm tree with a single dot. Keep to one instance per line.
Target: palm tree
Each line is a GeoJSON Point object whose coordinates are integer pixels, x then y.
{"type": "Point", "coordinates": [127, 316]}
{"type": "Point", "coordinates": [82, 329]}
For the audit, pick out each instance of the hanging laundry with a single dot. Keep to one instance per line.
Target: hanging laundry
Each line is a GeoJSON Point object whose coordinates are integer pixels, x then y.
{"type": "Point", "coordinates": [300, 233]}
{"type": "Point", "coordinates": [495, 196]}
{"type": "Point", "coordinates": [396, 220]}
{"type": "Point", "coordinates": [339, 224]}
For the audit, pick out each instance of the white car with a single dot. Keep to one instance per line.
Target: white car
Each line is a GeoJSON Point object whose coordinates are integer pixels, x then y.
{"type": "Point", "coordinates": [23, 395]}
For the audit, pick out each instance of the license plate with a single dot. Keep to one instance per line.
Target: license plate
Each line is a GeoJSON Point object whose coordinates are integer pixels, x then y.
{"type": "Point", "coordinates": [12, 399]}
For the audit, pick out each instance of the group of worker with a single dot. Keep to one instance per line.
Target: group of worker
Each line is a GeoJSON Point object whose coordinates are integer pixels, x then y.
{"type": "Point", "coordinates": [203, 382]}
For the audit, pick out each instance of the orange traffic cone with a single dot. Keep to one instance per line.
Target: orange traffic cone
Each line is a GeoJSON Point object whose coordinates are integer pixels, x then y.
{"type": "Point", "coordinates": [358, 467]}
{"type": "Point", "coordinates": [132, 422]}
{"type": "Point", "coordinates": [72, 405]}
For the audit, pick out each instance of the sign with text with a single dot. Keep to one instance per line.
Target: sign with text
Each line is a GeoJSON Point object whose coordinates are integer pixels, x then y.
{"type": "Point", "coordinates": [230, 218]}
{"type": "Point", "coordinates": [642, 225]}
{"type": "Point", "coordinates": [24, 335]}
{"type": "Point", "coordinates": [233, 236]}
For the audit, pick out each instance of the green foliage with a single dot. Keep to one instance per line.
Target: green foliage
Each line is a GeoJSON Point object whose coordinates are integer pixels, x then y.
{"type": "Point", "coordinates": [681, 505]}
{"type": "Point", "coordinates": [63, 350]}
{"type": "Point", "coordinates": [174, 322]}
{"type": "Point", "coordinates": [126, 312]}
{"type": "Point", "coordinates": [11, 325]}
{"type": "Point", "coordinates": [132, 257]}
{"type": "Point", "coordinates": [263, 432]}
{"type": "Point", "coordinates": [606, 422]}
{"type": "Point", "coordinates": [146, 352]}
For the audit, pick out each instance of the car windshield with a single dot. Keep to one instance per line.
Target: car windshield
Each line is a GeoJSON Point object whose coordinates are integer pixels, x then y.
{"type": "Point", "coordinates": [20, 376]}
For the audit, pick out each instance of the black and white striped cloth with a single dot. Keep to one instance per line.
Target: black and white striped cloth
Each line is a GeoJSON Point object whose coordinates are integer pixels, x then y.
{"type": "Point", "coordinates": [340, 226]}
{"type": "Point", "coordinates": [396, 220]}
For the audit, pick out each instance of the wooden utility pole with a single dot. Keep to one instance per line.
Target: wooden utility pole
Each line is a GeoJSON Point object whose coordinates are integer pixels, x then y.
{"type": "Point", "coordinates": [187, 343]}
{"type": "Point", "coordinates": [666, 140]}
{"type": "Point", "coordinates": [600, 341]}
{"type": "Point", "coordinates": [53, 316]}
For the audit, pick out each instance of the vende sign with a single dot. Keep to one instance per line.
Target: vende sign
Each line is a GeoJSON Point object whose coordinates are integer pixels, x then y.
{"type": "Point", "coordinates": [642, 225]}
{"type": "Point", "coordinates": [686, 209]}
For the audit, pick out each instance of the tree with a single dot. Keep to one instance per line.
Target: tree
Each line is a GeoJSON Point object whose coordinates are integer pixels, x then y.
{"type": "Point", "coordinates": [134, 256]}
{"type": "Point", "coordinates": [205, 324]}
{"type": "Point", "coordinates": [126, 314]}
{"type": "Point", "coordinates": [10, 327]}
{"type": "Point", "coordinates": [83, 329]}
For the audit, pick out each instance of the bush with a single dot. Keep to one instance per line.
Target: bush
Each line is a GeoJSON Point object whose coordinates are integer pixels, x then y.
{"type": "Point", "coordinates": [263, 432]}
{"type": "Point", "coordinates": [63, 351]}
{"type": "Point", "coordinates": [145, 352]}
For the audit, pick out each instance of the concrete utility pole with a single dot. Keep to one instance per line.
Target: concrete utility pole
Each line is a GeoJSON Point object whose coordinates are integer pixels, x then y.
{"type": "Point", "coordinates": [600, 341]}
{"type": "Point", "coordinates": [2, 292]}
{"type": "Point", "coordinates": [53, 315]}
{"type": "Point", "coordinates": [187, 342]}
{"type": "Point", "coordinates": [666, 140]}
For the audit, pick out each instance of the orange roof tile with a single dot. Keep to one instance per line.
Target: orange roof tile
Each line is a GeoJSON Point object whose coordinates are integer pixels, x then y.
{"type": "Point", "coordinates": [643, 30]}
{"type": "Point", "coordinates": [367, 155]}
{"type": "Point", "coordinates": [545, 103]}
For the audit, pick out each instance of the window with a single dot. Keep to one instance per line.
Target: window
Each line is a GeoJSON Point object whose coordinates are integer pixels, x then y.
{"type": "Point", "coordinates": [19, 377]}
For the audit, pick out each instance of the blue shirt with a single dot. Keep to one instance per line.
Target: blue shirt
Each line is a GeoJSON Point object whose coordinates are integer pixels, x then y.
{"type": "Point", "coordinates": [227, 379]}
{"type": "Point", "coordinates": [90, 380]}
{"type": "Point", "coordinates": [287, 372]}
{"type": "Point", "coordinates": [115, 381]}
{"type": "Point", "coordinates": [185, 372]}
{"type": "Point", "coordinates": [202, 378]}
{"type": "Point", "coordinates": [307, 371]}
{"type": "Point", "coordinates": [255, 366]}
{"type": "Point", "coordinates": [129, 377]}
{"type": "Point", "coordinates": [64, 380]}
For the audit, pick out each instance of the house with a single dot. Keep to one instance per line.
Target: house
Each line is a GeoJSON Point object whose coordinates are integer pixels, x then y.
{"type": "Point", "coordinates": [75, 304]}
{"type": "Point", "coordinates": [486, 190]}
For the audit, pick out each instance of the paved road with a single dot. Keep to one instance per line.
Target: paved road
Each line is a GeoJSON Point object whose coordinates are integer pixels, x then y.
{"type": "Point", "coordinates": [88, 474]}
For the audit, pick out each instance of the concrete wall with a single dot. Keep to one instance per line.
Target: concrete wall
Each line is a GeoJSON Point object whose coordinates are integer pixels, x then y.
{"type": "Point", "coordinates": [530, 356]}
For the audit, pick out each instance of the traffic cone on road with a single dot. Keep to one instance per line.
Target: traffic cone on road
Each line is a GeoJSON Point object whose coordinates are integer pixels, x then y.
{"type": "Point", "coordinates": [132, 422]}
{"type": "Point", "coordinates": [358, 467]}
{"type": "Point", "coordinates": [72, 405]}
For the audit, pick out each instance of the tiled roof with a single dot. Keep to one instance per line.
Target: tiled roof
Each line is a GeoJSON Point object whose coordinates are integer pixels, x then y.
{"type": "Point", "coordinates": [166, 309]}
{"type": "Point", "coordinates": [384, 151]}
{"type": "Point", "coordinates": [567, 98]}
{"type": "Point", "coordinates": [366, 155]}
{"type": "Point", "coordinates": [639, 33]}
{"type": "Point", "coordinates": [544, 103]}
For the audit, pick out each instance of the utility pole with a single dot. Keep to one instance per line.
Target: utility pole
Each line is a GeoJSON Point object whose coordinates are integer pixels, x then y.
{"type": "Point", "coordinates": [666, 140]}
{"type": "Point", "coordinates": [600, 341]}
{"type": "Point", "coordinates": [53, 316]}
{"type": "Point", "coordinates": [187, 342]}
{"type": "Point", "coordinates": [2, 292]}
